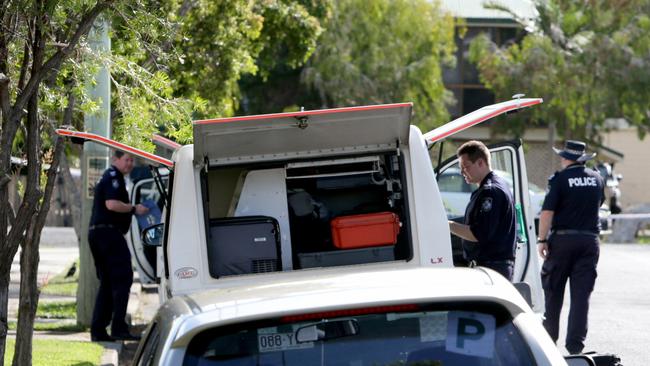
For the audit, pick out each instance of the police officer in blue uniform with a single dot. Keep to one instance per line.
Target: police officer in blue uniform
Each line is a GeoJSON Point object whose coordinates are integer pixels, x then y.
{"type": "Point", "coordinates": [489, 225]}
{"type": "Point", "coordinates": [568, 241]}
{"type": "Point", "coordinates": [110, 221]}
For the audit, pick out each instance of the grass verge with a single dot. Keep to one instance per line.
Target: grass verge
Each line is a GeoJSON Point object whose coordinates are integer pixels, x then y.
{"type": "Point", "coordinates": [57, 310]}
{"type": "Point", "coordinates": [65, 283]}
{"type": "Point", "coordinates": [643, 240]}
{"type": "Point", "coordinates": [66, 289]}
{"type": "Point", "coordinates": [48, 352]}
{"type": "Point", "coordinates": [59, 326]}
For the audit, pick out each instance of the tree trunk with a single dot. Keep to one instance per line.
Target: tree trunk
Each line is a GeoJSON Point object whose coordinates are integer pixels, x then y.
{"type": "Point", "coordinates": [29, 256]}
{"type": "Point", "coordinates": [74, 195]}
{"type": "Point", "coordinates": [25, 93]}
{"type": "Point", "coordinates": [10, 239]}
{"type": "Point", "coordinates": [29, 292]}
{"type": "Point", "coordinates": [4, 301]}
{"type": "Point", "coordinates": [7, 249]}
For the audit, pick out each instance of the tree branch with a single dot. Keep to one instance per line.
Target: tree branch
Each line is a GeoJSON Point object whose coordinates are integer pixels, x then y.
{"type": "Point", "coordinates": [51, 179]}
{"type": "Point", "coordinates": [32, 195]}
{"type": "Point", "coordinates": [4, 94]}
{"type": "Point", "coordinates": [23, 68]}
{"type": "Point", "coordinates": [61, 161]}
{"type": "Point", "coordinates": [5, 179]}
{"type": "Point", "coordinates": [5, 104]}
{"type": "Point", "coordinates": [185, 7]}
{"type": "Point", "coordinates": [55, 61]}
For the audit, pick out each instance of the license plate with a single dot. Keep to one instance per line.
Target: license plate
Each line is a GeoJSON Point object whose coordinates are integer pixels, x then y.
{"type": "Point", "coordinates": [280, 342]}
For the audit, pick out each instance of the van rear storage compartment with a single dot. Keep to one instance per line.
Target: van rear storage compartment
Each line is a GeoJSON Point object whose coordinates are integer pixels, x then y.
{"type": "Point", "coordinates": [367, 230]}
{"type": "Point", "coordinates": [346, 257]}
{"type": "Point", "coordinates": [240, 245]}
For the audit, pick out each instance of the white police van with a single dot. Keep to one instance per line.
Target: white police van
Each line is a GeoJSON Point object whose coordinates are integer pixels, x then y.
{"type": "Point", "coordinates": [258, 196]}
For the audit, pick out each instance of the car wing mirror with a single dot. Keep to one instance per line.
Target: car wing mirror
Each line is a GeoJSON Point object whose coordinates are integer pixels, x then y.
{"type": "Point", "coordinates": [327, 329]}
{"type": "Point", "coordinates": [153, 235]}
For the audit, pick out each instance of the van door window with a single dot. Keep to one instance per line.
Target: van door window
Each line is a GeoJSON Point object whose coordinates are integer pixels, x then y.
{"type": "Point", "coordinates": [146, 192]}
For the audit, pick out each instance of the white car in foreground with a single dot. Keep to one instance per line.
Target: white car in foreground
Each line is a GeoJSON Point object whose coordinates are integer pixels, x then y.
{"type": "Point", "coordinates": [356, 317]}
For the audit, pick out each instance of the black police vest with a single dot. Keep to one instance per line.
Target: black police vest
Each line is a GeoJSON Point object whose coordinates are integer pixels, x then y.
{"type": "Point", "coordinates": [110, 187]}
{"type": "Point", "coordinates": [575, 195]}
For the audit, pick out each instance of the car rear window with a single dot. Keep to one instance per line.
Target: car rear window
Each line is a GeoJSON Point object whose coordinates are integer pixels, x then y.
{"type": "Point", "coordinates": [421, 337]}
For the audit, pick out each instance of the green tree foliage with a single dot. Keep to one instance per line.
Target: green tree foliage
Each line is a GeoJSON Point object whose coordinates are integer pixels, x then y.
{"type": "Point", "coordinates": [381, 51]}
{"type": "Point", "coordinates": [375, 51]}
{"type": "Point", "coordinates": [219, 41]}
{"type": "Point", "coordinates": [171, 60]}
{"type": "Point", "coordinates": [589, 60]}
{"type": "Point", "coordinates": [45, 65]}
{"type": "Point", "coordinates": [278, 87]}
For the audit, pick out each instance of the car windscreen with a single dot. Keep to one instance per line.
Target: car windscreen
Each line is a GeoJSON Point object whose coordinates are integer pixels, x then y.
{"type": "Point", "coordinates": [461, 336]}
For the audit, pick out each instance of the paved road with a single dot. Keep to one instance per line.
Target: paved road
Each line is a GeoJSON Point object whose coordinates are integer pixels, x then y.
{"type": "Point", "coordinates": [58, 249]}
{"type": "Point", "coordinates": [619, 318]}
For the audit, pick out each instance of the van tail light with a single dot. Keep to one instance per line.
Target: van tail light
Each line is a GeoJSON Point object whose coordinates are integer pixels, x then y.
{"type": "Point", "coordinates": [350, 312]}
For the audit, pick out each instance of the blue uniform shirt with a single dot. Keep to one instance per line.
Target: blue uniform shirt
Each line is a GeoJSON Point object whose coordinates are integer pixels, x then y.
{"type": "Point", "coordinates": [110, 187]}
{"type": "Point", "coordinates": [574, 195]}
{"type": "Point", "coordinates": [491, 218]}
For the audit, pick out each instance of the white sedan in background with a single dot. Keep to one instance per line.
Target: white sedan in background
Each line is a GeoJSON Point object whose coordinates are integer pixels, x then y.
{"type": "Point", "coordinates": [456, 192]}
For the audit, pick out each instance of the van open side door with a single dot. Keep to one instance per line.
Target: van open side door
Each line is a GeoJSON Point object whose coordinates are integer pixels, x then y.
{"type": "Point", "coordinates": [509, 162]}
{"type": "Point", "coordinates": [144, 190]}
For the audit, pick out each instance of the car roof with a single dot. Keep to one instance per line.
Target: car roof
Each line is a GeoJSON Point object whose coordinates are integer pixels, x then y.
{"type": "Point", "coordinates": [335, 289]}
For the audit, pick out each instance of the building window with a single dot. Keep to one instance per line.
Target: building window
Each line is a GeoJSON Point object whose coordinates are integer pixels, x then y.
{"type": "Point", "coordinates": [463, 80]}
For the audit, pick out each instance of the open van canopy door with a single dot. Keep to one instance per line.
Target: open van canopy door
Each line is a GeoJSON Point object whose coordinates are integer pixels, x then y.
{"type": "Point", "coordinates": [284, 136]}
{"type": "Point", "coordinates": [164, 142]}
{"type": "Point", "coordinates": [479, 116]}
{"type": "Point", "coordinates": [86, 136]}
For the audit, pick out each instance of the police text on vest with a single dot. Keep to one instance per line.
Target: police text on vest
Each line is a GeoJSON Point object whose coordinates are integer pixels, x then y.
{"type": "Point", "coordinates": [582, 182]}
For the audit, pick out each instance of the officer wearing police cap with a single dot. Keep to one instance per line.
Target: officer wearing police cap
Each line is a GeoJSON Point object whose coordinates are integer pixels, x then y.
{"type": "Point", "coordinates": [568, 241]}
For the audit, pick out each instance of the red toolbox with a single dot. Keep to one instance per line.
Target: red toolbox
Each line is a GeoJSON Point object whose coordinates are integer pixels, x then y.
{"type": "Point", "coordinates": [367, 230]}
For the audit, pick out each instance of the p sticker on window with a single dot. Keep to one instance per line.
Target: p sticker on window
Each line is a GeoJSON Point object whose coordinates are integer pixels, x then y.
{"type": "Point", "coordinates": [470, 333]}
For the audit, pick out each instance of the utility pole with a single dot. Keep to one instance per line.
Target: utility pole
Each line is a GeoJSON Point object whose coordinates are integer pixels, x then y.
{"type": "Point", "coordinates": [95, 159]}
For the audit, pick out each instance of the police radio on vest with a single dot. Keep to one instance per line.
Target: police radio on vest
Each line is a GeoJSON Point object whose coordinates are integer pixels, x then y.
{"type": "Point", "coordinates": [582, 182]}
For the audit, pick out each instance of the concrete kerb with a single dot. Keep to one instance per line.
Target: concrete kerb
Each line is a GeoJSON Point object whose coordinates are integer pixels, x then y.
{"type": "Point", "coordinates": [111, 355]}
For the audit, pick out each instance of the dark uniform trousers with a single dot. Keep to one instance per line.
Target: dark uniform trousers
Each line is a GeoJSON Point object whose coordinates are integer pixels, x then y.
{"type": "Point", "coordinates": [113, 263]}
{"type": "Point", "coordinates": [572, 257]}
